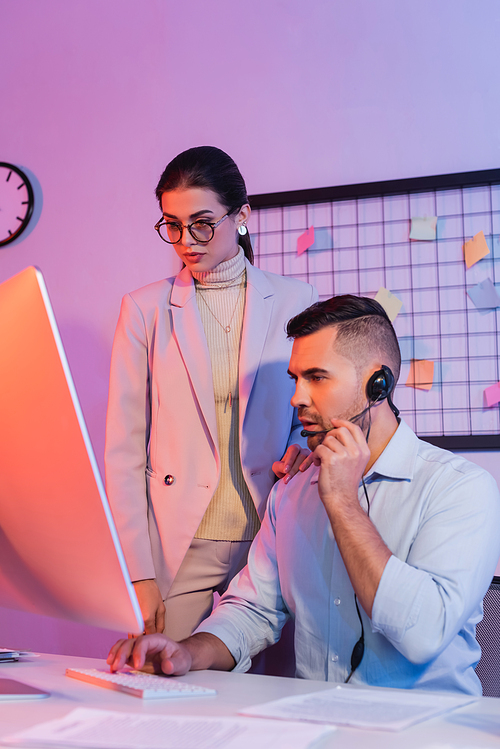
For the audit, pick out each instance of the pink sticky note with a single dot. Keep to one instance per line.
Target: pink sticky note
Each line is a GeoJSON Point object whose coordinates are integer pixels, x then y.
{"type": "Point", "coordinates": [475, 249]}
{"type": "Point", "coordinates": [492, 394]}
{"type": "Point", "coordinates": [305, 240]}
{"type": "Point", "coordinates": [421, 374]}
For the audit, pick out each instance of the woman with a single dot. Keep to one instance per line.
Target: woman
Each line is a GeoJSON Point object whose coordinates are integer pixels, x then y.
{"type": "Point", "coordinates": [199, 403]}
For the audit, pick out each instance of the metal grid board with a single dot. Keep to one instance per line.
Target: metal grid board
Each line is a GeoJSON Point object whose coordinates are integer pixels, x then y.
{"type": "Point", "coordinates": [362, 243]}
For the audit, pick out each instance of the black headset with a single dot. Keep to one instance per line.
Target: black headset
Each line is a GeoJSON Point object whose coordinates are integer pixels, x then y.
{"type": "Point", "coordinates": [380, 386]}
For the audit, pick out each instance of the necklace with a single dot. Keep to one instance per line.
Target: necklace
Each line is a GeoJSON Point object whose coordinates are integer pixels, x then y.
{"type": "Point", "coordinates": [227, 329]}
{"type": "Point", "coordinates": [223, 284]}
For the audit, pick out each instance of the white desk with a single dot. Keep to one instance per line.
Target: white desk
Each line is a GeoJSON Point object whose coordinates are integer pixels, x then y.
{"type": "Point", "coordinates": [477, 725]}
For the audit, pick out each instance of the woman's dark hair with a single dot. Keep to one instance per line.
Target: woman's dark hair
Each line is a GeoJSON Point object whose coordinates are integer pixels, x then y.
{"type": "Point", "coordinates": [212, 169]}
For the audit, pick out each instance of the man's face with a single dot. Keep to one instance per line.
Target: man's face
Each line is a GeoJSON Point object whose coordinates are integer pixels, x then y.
{"type": "Point", "coordinates": [327, 385]}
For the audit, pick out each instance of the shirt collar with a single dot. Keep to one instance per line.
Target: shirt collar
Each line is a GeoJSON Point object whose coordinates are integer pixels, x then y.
{"type": "Point", "coordinates": [397, 461]}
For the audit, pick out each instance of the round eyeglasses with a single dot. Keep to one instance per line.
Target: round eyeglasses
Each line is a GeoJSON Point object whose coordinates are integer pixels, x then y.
{"type": "Point", "coordinates": [201, 231]}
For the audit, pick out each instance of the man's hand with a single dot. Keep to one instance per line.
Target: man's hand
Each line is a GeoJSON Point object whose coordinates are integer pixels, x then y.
{"type": "Point", "coordinates": [161, 654]}
{"type": "Point", "coordinates": [295, 459]}
{"type": "Point", "coordinates": [152, 606]}
{"type": "Point", "coordinates": [343, 456]}
{"type": "Point", "coordinates": [158, 654]}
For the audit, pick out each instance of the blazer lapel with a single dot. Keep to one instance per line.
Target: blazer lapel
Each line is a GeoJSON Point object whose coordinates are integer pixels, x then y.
{"type": "Point", "coordinates": [258, 307]}
{"type": "Point", "coordinates": [192, 343]}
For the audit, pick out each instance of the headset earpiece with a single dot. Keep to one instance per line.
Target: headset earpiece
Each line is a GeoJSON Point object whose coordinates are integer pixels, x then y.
{"type": "Point", "coordinates": [380, 385]}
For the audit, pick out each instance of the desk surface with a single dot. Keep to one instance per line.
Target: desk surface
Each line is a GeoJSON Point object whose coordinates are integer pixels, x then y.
{"type": "Point", "coordinates": [477, 725]}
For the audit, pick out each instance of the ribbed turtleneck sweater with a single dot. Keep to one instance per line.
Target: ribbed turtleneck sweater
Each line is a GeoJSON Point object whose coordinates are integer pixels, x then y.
{"type": "Point", "coordinates": [220, 295]}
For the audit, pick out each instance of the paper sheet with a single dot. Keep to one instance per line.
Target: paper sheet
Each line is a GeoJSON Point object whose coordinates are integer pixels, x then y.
{"type": "Point", "coordinates": [106, 729]}
{"type": "Point", "coordinates": [423, 227]}
{"type": "Point", "coordinates": [305, 240]}
{"type": "Point", "coordinates": [421, 374]}
{"type": "Point", "coordinates": [475, 249]}
{"type": "Point", "coordinates": [484, 295]}
{"type": "Point", "coordinates": [391, 710]}
{"type": "Point", "coordinates": [492, 395]}
{"type": "Point", "coordinates": [390, 302]}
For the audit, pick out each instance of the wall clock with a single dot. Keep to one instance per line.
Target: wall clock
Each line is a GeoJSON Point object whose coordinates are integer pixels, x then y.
{"type": "Point", "coordinates": [16, 202]}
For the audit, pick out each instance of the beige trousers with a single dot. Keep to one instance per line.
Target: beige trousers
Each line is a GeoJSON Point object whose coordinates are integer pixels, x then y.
{"type": "Point", "coordinates": [207, 568]}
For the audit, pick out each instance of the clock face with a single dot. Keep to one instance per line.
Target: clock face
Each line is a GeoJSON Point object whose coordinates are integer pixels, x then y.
{"type": "Point", "coordinates": [16, 202]}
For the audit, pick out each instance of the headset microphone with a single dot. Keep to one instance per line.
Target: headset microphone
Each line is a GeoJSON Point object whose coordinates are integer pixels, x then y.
{"type": "Point", "coordinates": [309, 433]}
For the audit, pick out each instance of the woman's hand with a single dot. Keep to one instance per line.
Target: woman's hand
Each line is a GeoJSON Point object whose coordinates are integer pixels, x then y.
{"type": "Point", "coordinates": [152, 606]}
{"type": "Point", "coordinates": [295, 459]}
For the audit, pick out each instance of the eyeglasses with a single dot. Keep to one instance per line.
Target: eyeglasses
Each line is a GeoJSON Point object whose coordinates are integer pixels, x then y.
{"type": "Point", "coordinates": [201, 231]}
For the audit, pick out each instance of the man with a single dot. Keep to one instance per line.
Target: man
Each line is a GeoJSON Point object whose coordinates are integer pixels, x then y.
{"type": "Point", "coordinates": [381, 552]}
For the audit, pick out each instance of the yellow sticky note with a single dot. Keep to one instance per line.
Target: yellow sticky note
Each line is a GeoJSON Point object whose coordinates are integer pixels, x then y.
{"type": "Point", "coordinates": [421, 374]}
{"type": "Point", "coordinates": [390, 302]}
{"type": "Point", "coordinates": [423, 227]}
{"type": "Point", "coordinates": [475, 249]}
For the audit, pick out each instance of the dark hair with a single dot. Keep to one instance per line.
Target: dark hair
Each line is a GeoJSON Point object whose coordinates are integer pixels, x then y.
{"type": "Point", "coordinates": [362, 328]}
{"type": "Point", "coordinates": [211, 168]}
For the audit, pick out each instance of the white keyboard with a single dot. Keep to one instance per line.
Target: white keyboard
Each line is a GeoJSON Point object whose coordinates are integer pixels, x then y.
{"type": "Point", "coordinates": [139, 684]}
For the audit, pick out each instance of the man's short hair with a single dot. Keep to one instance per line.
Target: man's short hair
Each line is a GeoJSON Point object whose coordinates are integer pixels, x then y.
{"type": "Point", "coordinates": [362, 327]}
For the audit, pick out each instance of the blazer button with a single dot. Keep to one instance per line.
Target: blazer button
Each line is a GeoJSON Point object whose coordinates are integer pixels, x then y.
{"type": "Point", "coordinates": [169, 479]}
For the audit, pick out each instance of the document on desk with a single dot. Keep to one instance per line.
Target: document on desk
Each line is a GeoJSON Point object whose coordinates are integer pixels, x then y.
{"type": "Point", "coordinates": [105, 729]}
{"type": "Point", "coordinates": [388, 710]}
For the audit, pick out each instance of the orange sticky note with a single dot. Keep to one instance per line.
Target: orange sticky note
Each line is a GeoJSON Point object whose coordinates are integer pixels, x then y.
{"type": "Point", "coordinates": [421, 374]}
{"type": "Point", "coordinates": [305, 240]}
{"type": "Point", "coordinates": [475, 249]}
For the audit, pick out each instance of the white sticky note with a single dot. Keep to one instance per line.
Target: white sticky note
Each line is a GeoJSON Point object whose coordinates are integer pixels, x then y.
{"type": "Point", "coordinates": [390, 302]}
{"type": "Point", "coordinates": [423, 227]}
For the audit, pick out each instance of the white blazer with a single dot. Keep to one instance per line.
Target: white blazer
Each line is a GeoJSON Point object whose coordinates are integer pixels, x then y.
{"type": "Point", "coordinates": [161, 455]}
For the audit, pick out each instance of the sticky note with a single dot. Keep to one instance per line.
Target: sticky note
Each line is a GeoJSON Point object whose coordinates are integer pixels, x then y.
{"type": "Point", "coordinates": [492, 394]}
{"type": "Point", "coordinates": [305, 240]}
{"type": "Point", "coordinates": [484, 295]}
{"type": "Point", "coordinates": [421, 374]}
{"type": "Point", "coordinates": [390, 302]}
{"type": "Point", "coordinates": [423, 227]}
{"type": "Point", "coordinates": [475, 249]}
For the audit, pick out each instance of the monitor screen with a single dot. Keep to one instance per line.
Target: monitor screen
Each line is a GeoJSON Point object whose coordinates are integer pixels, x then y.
{"type": "Point", "coordinates": [59, 549]}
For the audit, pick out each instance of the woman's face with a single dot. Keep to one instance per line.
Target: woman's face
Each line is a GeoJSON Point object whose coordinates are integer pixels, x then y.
{"type": "Point", "coordinates": [185, 205]}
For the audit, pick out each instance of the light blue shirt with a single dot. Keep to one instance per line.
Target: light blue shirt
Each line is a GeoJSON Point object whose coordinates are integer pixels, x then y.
{"type": "Point", "coordinates": [440, 517]}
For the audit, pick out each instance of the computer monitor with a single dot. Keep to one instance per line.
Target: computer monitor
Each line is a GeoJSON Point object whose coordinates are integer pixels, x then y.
{"type": "Point", "coordinates": [59, 550]}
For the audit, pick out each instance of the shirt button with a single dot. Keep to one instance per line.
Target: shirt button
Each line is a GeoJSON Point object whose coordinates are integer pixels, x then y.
{"type": "Point", "coordinates": [337, 602]}
{"type": "Point", "coordinates": [334, 658]}
{"type": "Point", "coordinates": [169, 479]}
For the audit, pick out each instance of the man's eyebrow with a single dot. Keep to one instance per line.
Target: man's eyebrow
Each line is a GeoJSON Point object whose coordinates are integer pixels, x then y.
{"type": "Point", "coordinates": [309, 372]}
{"type": "Point", "coordinates": [193, 215]}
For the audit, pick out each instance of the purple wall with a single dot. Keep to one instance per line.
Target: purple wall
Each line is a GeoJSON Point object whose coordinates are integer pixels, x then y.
{"type": "Point", "coordinates": [98, 96]}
